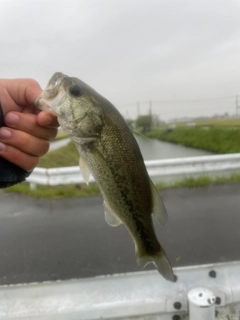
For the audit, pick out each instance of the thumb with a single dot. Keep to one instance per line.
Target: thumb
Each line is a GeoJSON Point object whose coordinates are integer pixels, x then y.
{"type": "Point", "coordinates": [23, 91]}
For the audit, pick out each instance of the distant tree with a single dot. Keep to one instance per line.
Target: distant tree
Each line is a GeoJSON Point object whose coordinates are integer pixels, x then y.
{"type": "Point", "coordinates": [157, 122]}
{"type": "Point", "coordinates": [130, 123]}
{"type": "Point", "coordinates": [144, 123]}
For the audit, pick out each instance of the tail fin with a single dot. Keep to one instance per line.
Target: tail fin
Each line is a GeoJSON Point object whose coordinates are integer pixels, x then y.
{"type": "Point", "coordinates": [162, 264]}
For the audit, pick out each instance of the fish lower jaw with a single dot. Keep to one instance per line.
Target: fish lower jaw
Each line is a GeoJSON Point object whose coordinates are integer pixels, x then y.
{"type": "Point", "coordinates": [41, 104]}
{"type": "Point", "coordinates": [50, 102]}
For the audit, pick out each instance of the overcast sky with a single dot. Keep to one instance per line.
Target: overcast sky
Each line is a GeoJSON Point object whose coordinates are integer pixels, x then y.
{"type": "Point", "coordinates": [130, 50]}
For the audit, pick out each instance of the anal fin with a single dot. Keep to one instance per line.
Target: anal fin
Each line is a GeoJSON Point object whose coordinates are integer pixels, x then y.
{"type": "Point", "coordinates": [159, 210]}
{"type": "Point", "coordinates": [110, 218]}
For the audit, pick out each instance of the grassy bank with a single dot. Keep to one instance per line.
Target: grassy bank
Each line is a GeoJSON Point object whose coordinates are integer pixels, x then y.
{"type": "Point", "coordinates": [64, 157]}
{"type": "Point", "coordinates": [85, 191]}
{"type": "Point", "coordinates": [216, 139]}
{"type": "Point", "coordinates": [222, 122]}
{"type": "Point", "coordinates": [64, 191]}
{"type": "Point", "coordinates": [60, 135]}
{"type": "Point", "coordinates": [201, 181]}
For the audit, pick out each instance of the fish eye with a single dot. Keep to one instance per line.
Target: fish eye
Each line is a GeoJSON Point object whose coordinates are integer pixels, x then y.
{"type": "Point", "coordinates": [75, 90]}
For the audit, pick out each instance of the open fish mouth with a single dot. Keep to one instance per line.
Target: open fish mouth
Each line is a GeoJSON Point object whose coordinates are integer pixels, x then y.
{"type": "Point", "coordinates": [53, 95]}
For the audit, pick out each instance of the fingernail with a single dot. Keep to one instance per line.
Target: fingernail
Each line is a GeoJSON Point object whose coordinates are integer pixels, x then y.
{"type": "Point", "coordinates": [2, 147]}
{"type": "Point", "coordinates": [47, 119]}
{"type": "Point", "coordinates": [5, 133]}
{"type": "Point", "coordinates": [11, 118]}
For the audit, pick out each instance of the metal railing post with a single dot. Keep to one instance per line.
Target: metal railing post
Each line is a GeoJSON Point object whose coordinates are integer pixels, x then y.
{"type": "Point", "coordinates": [33, 186]}
{"type": "Point", "coordinates": [201, 304]}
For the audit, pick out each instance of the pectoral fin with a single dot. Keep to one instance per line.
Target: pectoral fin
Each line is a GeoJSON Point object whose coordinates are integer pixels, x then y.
{"type": "Point", "coordinates": [159, 210]}
{"type": "Point", "coordinates": [83, 166]}
{"type": "Point", "coordinates": [110, 218]}
{"type": "Point", "coordinates": [78, 140]}
{"type": "Point", "coordinates": [84, 170]}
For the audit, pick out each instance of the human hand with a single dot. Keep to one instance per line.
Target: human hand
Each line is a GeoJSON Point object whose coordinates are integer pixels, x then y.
{"type": "Point", "coordinates": [27, 132]}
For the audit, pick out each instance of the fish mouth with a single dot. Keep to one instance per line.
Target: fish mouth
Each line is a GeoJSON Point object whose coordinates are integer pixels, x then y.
{"type": "Point", "coordinates": [54, 83]}
{"type": "Point", "coordinates": [52, 95]}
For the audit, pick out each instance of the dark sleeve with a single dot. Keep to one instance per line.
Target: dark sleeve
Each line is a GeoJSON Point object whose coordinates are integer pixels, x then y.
{"type": "Point", "coordinates": [10, 174]}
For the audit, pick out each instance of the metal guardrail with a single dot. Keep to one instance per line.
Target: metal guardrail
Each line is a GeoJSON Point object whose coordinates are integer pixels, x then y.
{"type": "Point", "coordinates": [156, 168]}
{"type": "Point", "coordinates": [140, 295]}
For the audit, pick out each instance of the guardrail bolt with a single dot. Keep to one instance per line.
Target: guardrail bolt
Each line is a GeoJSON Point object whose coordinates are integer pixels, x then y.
{"type": "Point", "coordinates": [218, 300]}
{"type": "Point", "coordinates": [177, 305]}
{"type": "Point", "coordinates": [176, 317]}
{"type": "Point", "coordinates": [212, 274]}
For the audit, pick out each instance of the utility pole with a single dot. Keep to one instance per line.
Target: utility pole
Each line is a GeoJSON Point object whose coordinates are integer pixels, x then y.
{"type": "Point", "coordinates": [150, 114]}
{"type": "Point", "coordinates": [237, 106]}
{"type": "Point", "coordinates": [150, 107]}
{"type": "Point", "coordinates": [138, 109]}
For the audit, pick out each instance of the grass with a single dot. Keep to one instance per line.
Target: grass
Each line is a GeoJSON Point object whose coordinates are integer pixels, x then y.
{"type": "Point", "coordinates": [201, 181]}
{"type": "Point", "coordinates": [66, 191]}
{"type": "Point", "coordinates": [85, 191]}
{"type": "Point", "coordinates": [61, 135]}
{"type": "Point", "coordinates": [227, 122]}
{"type": "Point", "coordinates": [64, 157]}
{"type": "Point", "coordinates": [216, 139]}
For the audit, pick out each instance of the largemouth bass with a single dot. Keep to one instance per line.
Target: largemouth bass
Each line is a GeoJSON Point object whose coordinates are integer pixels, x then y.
{"type": "Point", "coordinates": [109, 151]}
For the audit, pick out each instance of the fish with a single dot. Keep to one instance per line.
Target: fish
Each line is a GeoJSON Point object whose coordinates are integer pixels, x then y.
{"type": "Point", "coordinates": [109, 151]}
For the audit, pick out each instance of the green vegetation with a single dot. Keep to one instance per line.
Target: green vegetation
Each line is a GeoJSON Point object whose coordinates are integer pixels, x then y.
{"type": "Point", "coordinates": [215, 139]}
{"type": "Point", "coordinates": [144, 123]}
{"type": "Point", "coordinates": [85, 191]}
{"type": "Point", "coordinates": [155, 134]}
{"type": "Point", "coordinates": [201, 181]}
{"type": "Point", "coordinates": [61, 135]}
{"type": "Point", "coordinates": [222, 122]}
{"type": "Point", "coordinates": [64, 157]}
{"type": "Point", "coordinates": [66, 191]}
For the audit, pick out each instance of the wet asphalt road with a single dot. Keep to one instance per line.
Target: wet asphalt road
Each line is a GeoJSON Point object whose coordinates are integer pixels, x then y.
{"type": "Point", "coordinates": [62, 239]}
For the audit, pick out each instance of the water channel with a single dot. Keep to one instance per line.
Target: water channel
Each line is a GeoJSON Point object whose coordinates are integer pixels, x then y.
{"type": "Point", "coordinates": [152, 149]}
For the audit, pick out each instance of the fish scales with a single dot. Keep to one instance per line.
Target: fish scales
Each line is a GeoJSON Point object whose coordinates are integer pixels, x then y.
{"type": "Point", "coordinates": [126, 189]}
{"type": "Point", "coordinates": [110, 152]}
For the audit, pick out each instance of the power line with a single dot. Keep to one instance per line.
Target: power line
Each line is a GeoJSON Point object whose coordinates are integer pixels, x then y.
{"type": "Point", "coordinates": [195, 100]}
{"type": "Point", "coordinates": [178, 101]}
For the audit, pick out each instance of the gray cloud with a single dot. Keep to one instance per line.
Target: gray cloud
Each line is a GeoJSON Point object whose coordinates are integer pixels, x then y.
{"type": "Point", "coordinates": [129, 50]}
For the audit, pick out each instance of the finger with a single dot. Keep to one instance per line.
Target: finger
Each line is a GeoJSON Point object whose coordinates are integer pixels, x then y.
{"type": "Point", "coordinates": [28, 123]}
{"type": "Point", "coordinates": [18, 157]}
{"type": "Point", "coordinates": [23, 91]}
{"type": "Point", "coordinates": [46, 119]}
{"type": "Point", "coordinates": [24, 141]}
